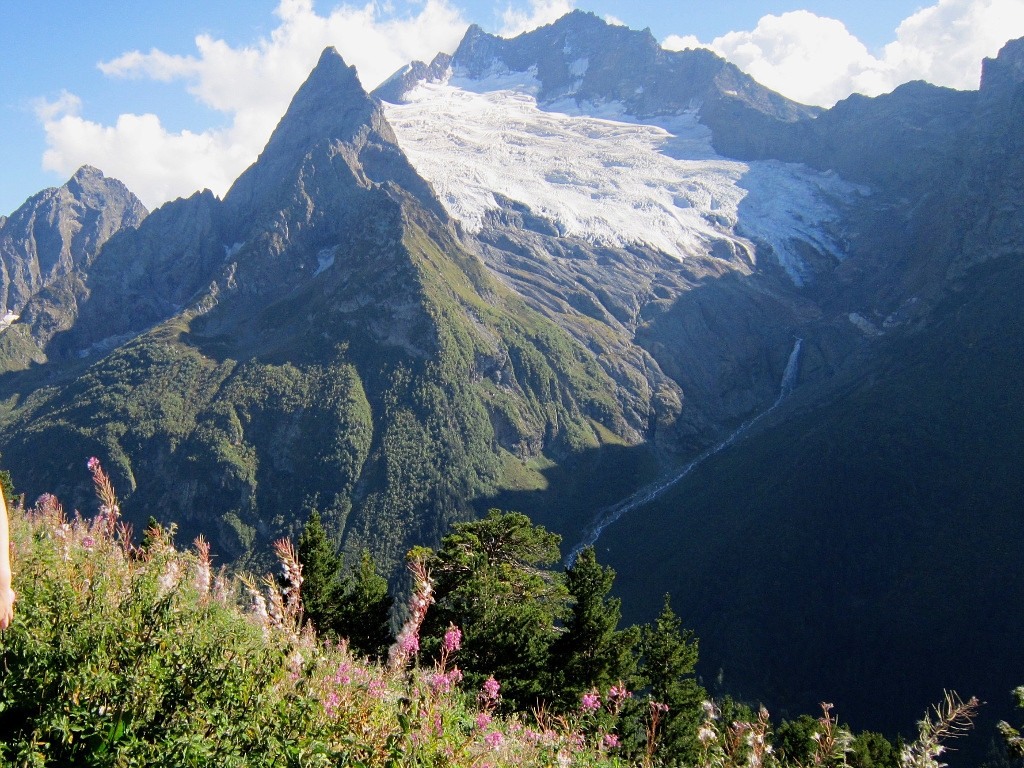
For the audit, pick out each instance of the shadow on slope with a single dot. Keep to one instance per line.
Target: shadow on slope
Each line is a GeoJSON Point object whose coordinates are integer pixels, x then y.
{"type": "Point", "coordinates": [866, 550]}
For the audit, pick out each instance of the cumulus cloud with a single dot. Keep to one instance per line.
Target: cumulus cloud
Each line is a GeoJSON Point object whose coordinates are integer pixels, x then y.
{"type": "Point", "coordinates": [515, 21]}
{"type": "Point", "coordinates": [251, 85]}
{"type": "Point", "coordinates": [816, 60]}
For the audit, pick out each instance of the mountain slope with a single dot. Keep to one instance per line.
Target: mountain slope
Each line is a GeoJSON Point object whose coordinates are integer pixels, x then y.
{"type": "Point", "coordinates": [318, 338]}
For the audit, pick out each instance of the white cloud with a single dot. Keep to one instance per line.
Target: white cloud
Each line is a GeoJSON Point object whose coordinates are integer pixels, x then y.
{"type": "Point", "coordinates": [515, 21]}
{"type": "Point", "coordinates": [66, 104]}
{"type": "Point", "coordinates": [682, 43]}
{"type": "Point", "coordinates": [252, 85]}
{"type": "Point", "coordinates": [816, 60]}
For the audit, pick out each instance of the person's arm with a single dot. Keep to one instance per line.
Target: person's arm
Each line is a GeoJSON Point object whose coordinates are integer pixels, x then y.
{"type": "Point", "coordinates": [6, 593]}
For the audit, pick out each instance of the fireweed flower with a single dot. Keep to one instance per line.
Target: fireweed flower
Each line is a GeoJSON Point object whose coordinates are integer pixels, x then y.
{"type": "Point", "coordinates": [610, 741]}
{"type": "Point", "coordinates": [490, 690]}
{"type": "Point", "coordinates": [92, 464]}
{"type": "Point", "coordinates": [494, 739]}
{"type": "Point", "coordinates": [483, 720]}
{"type": "Point", "coordinates": [591, 702]}
{"type": "Point", "coordinates": [452, 639]}
{"type": "Point", "coordinates": [88, 542]}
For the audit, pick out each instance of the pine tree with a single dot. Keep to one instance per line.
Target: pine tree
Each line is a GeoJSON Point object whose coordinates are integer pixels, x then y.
{"type": "Point", "coordinates": [668, 657]}
{"type": "Point", "coordinates": [491, 582]}
{"type": "Point", "coordinates": [322, 589]}
{"type": "Point", "coordinates": [364, 610]}
{"type": "Point", "coordinates": [592, 653]}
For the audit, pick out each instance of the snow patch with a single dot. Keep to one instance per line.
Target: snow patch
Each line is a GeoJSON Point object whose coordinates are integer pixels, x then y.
{"type": "Point", "coordinates": [7, 320]}
{"type": "Point", "coordinates": [601, 175]}
{"type": "Point", "coordinates": [579, 67]}
{"type": "Point", "coordinates": [324, 260]}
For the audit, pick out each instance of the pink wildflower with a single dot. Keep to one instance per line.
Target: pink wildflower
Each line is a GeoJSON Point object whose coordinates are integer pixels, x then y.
{"type": "Point", "coordinates": [615, 693]}
{"type": "Point", "coordinates": [410, 643]}
{"type": "Point", "coordinates": [491, 688]}
{"type": "Point", "coordinates": [92, 464]}
{"type": "Point", "coordinates": [331, 703]}
{"type": "Point", "coordinates": [610, 741]}
{"type": "Point", "coordinates": [452, 639]}
{"type": "Point", "coordinates": [88, 542]}
{"type": "Point", "coordinates": [494, 739]}
{"type": "Point", "coordinates": [591, 702]}
{"type": "Point", "coordinates": [483, 720]}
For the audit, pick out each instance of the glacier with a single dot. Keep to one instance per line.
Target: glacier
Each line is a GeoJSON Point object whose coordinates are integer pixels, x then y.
{"type": "Point", "coordinates": [601, 175]}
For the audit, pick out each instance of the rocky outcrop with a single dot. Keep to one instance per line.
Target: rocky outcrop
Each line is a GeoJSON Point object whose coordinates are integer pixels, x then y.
{"type": "Point", "coordinates": [59, 232]}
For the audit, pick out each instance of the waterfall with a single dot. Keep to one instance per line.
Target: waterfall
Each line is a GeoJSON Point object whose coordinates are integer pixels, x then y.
{"type": "Point", "coordinates": [649, 493]}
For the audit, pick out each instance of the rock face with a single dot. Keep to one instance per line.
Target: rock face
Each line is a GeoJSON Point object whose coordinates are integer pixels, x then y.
{"type": "Point", "coordinates": [49, 244]}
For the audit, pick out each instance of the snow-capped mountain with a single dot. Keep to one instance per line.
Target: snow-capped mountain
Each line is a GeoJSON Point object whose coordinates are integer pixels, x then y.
{"type": "Point", "coordinates": [557, 273]}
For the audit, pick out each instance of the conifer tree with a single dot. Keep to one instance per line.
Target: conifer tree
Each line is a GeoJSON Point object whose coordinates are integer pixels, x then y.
{"type": "Point", "coordinates": [364, 611]}
{"type": "Point", "coordinates": [592, 653]}
{"type": "Point", "coordinates": [491, 582]}
{"type": "Point", "coordinates": [668, 657]}
{"type": "Point", "coordinates": [322, 589]}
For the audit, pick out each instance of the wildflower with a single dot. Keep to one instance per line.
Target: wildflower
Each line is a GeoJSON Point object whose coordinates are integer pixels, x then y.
{"type": "Point", "coordinates": [409, 644]}
{"type": "Point", "coordinates": [88, 542]}
{"type": "Point", "coordinates": [494, 739]}
{"type": "Point", "coordinates": [490, 690]}
{"type": "Point", "coordinates": [331, 703]}
{"type": "Point", "coordinates": [203, 576]}
{"type": "Point", "coordinates": [706, 734]}
{"type": "Point", "coordinates": [610, 741]}
{"type": "Point", "coordinates": [591, 702]}
{"type": "Point", "coordinates": [452, 639]}
{"type": "Point", "coordinates": [618, 693]}
{"type": "Point", "coordinates": [92, 464]}
{"type": "Point", "coordinates": [483, 720]}
{"type": "Point", "coordinates": [169, 578]}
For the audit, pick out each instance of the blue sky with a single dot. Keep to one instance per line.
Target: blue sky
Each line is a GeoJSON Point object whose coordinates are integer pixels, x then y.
{"type": "Point", "coordinates": [174, 96]}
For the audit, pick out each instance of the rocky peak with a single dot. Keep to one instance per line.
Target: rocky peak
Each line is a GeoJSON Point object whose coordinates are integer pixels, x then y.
{"type": "Point", "coordinates": [333, 128]}
{"type": "Point", "coordinates": [1006, 71]}
{"type": "Point", "coordinates": [61, 230]}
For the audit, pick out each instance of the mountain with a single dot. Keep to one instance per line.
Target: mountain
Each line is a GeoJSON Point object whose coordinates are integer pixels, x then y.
{"type": "Point", "coordinates": [319, 338]}
{"type": "Point", "coordinates": [46, 248]}
{"type": "Point", "coordinates": [764, 355]}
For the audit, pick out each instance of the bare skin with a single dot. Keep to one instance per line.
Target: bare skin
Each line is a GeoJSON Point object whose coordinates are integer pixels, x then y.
{"type": "Point", "coordinates": [7, 595]}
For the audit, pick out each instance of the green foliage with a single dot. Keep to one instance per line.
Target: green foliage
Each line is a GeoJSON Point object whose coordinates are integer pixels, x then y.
{"type": "Point", "coordinates": [666, 675]}
{"type": "Point", "coordinates": [123, 657]}
{"type": "Point", "coordinates": [873, 750]}
{"type": "Point", "coordinates": [355, 607]}
{"type": "Point", "coordinates": [592, 653]}
{"type": "Point", "coordinates": [490, 582]}
{"type": "Point", "coordinates": [364, 612]}
{"type": "Point", "coordinates": [322, 590]}
{"type": "Point", "coordinates": [1011, 736]}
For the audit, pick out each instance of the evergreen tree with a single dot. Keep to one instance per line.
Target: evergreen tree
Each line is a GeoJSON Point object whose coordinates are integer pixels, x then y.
{"type": "Point", "coordinates": [491, 582]}
{"type": "Point", "coordinates": [592, 653]}
{"type": "Point", "coordinates": [322, 589]}
{"type": "Point", "coordinates": [668, 657]}
{"type": "Point", "coordinates": [355, 607]}
{"type": "Point", "coordinates": [363, 613]}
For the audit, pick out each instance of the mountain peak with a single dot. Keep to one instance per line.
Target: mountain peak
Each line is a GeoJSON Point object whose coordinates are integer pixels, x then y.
{"type": "Point", "coordinates": [330, 106]}
{"type": "Point", "coordinates": [1007, 69]}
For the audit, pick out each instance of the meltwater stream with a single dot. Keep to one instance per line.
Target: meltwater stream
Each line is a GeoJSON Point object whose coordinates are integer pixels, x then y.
{"type": "Point", "coordinates": [649, 493]}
